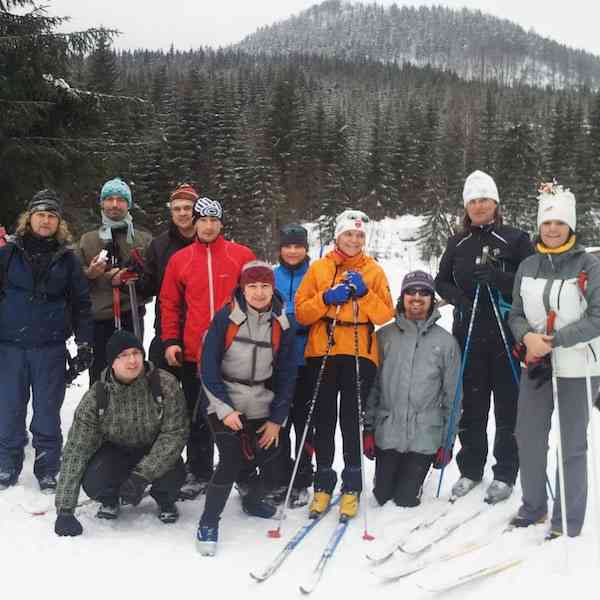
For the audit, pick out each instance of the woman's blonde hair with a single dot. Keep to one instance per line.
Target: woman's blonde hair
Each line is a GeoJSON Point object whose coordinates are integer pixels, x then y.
{"type": "Point", "coordinates": [62, 235]}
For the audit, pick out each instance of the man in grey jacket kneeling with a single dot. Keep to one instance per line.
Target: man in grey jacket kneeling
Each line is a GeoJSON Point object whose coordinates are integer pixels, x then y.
{"type": "Point", "coordinates": [409, 406]}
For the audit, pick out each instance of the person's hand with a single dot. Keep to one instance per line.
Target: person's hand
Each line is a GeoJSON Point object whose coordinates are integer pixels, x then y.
{"type": "Point", "coordinates": [96, 267]}
{"type": "Point", "coordinates": [538, 345]}
{"type": "Point", "coordinates": [270, 435]}
{"type": "Point", "coordinates": [356, 283]}
{"type": "Point", "coordinates": [339, 294]}
{"type": "Point", "coordinates": [484, 274]}
{"type": "Point", "coordinates": [174, 356]}
{"type": "Point", "coordinates": [369, 444]}
{"type": "Point", "coordinates": [132, 489]}
{"type": "Point", "coordinates": [67, 525]}
{"type": "Point", "coordinates": [123, 275]}
{"type": "Point", "coordinates": [233, 421]}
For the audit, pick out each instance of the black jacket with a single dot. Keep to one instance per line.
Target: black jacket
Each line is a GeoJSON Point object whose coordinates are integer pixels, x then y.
{"type": "Point", "coordinates": [157, 256]}
{"type": "Point", "coordinates": [455, 283]}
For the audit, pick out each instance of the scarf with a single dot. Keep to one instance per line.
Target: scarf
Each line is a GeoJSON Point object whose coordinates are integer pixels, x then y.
{"type": "Point", "coordinates": [108, 224]}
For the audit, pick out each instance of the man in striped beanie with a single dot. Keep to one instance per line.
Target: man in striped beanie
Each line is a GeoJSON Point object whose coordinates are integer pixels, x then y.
{"type": "Point", "coordinates": [198, 281]}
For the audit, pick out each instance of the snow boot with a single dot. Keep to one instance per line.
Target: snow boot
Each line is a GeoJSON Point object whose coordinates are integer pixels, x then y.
{"type": "Point", "coordinates": [7, 478]}
{"type": "Point", "coordinates": [108, 511]}
{"type": "Point", "coordinates": [519, 522]}
{"type": "Point", "coordinates": [462, 487]}
{"type": "Point", "coordinates": [258, 507]}
{"type": "Point", "coordinates": [276, 496]}
{"type": "Point", "coordinates": [168, 513]}
{"type": "Point", "coordinates": [192, 487]}
{"type": "Point", "coordinates": [47, 484]}
{"type": "Point", "coordinates": [319, 504]}
{"type": "Point", "coordinates": [299, 497]}
{"type": "Point", "coordinates": [206, 540]}
{"type": "Point", "coordinates": [349, 505]}
{"type": "Point", "coordinates": [497, 492]}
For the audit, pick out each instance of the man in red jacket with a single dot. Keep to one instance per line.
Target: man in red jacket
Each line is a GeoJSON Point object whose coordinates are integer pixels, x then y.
{"type": "Point", "coordinates": [198, 281]}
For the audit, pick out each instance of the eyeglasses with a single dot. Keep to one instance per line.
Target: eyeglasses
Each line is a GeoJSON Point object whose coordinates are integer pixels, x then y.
{"type": "Point", "coordinates": [423, 292]}
{"type": "Point", "coordinates": [130, 354]}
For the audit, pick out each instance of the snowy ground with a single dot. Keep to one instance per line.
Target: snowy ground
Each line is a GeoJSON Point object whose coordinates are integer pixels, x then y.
{"type": "Point", "coordinates": [137, 556]}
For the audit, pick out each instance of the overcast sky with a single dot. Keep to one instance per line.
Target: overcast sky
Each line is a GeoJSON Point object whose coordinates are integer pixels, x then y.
{"type": "Point", "coordinates": [193, 23]}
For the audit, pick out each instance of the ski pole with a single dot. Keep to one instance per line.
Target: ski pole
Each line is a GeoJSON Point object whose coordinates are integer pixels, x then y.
{"type": "Point", "coordinates": [116, 293]}
{"type": "Point", "coordinates": [561, 467]}
{"type": "Point", "coordinates": [276, 533]}
{"type": "Point", "coordinates": [457, 394]}
{"type": "Point", "coordinates": [593, 452]}
{"type": "Point", "coordinates": [366, 535]}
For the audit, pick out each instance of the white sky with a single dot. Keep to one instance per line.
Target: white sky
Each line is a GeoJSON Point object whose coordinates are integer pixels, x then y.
{"type": "Point", "coordinates": [188, 24]}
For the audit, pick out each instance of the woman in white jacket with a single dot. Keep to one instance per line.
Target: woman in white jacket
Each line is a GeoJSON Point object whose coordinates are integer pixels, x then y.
{"type": "Point", "coordinates": [560, 281]}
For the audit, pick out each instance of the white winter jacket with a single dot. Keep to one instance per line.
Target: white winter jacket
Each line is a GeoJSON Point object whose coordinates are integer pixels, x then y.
{"type": "Point", "coordinates": [547, 282]}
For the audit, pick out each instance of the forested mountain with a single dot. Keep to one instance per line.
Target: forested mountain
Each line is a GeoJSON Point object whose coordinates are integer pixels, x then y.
{"type": "Point", "coordinates": [281, 137]}
{"type": "Point", "coordinates": [473, 44]}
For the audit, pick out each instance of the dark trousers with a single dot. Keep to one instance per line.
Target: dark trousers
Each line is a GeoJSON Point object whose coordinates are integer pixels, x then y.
{"type": "Point", "coordinates": [339, 377]}
{"type": "Point", "coordinates": [488, 370]}
{"type": "Point", "coordinates": [102, 332]}
{"type": "Point", "coordinates": [200, 448]}
{"type": "Point", "coordinates": [297, 419]}
{"type": "Point", "coordinates": [40, 371]}
{"type": "Point", "coordinates": [400, 475]}
{"type": "Point", "coordinates": [232, 461]}
{"type": "Point", "coordinates": [112, 465]}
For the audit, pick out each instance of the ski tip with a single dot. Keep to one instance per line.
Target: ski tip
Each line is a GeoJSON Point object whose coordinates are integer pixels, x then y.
{"type": "Point", "coordinates": [305, 591]}
{"type": "Point", "coordinates": [274, 533]}
{"type": "Point", "coordinates": [257, 578]}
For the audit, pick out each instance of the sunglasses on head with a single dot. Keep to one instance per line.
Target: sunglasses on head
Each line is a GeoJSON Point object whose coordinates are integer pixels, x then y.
{"type": "Point", "coordinates": [358, 217]}
{"type": "Point", "coordinates": [414, 291]}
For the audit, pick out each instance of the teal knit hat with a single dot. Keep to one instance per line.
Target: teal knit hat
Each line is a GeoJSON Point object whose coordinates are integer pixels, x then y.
{"type": "Point", "coordinates": [116, 187]}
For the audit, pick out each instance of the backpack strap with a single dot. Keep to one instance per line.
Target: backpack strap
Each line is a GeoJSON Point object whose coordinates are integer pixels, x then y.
{"type": "Point", "coordinates": [157, 393]}
{"type": "Point", "coordinates": [102, 398]}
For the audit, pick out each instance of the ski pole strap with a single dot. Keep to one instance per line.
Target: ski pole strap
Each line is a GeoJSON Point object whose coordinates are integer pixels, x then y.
{"type": "Point", "coordinates": [550, 321]}
{"type": "Point", "coordinates": [370, 328]}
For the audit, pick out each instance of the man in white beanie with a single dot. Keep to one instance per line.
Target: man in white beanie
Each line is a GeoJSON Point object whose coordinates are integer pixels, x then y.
{"type": "Point", "coordinates": [482, 259]}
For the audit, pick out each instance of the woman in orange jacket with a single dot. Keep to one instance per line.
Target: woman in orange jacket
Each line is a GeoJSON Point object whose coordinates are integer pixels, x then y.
{"type": "Point", "coordinates": [327, 292]}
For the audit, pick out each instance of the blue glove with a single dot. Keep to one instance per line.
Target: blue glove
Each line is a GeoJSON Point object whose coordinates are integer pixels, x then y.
{"type": "Point", "coordinates": [340, 294]}
{"type": "Point", "coordinates": [356, 283]}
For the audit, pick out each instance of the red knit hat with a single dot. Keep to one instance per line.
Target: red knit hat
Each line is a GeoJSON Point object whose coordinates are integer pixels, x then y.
{"type": "Point", "coordinates": [184, 192]}
{"type": "Point", "coordinates": [257, 271]}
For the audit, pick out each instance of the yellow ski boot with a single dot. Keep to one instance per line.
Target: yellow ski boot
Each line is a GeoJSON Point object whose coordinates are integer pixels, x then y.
{"type": "Point", "coordinates": [319, 504]}
{"type": "Point", "coordinates": [349, 505]}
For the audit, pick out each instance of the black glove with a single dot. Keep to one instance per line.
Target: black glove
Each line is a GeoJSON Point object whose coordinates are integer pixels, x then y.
{"type": "Point", "coordinates": [67, 525]}
{"type": "Point", "coordinates": [540, 371]}
{"type": "Point", "coordinates": [484, 273]}
{"type": "Point", "coordinates": [80, 362]}
{"type": "Point", "coordinates": [132, 490]}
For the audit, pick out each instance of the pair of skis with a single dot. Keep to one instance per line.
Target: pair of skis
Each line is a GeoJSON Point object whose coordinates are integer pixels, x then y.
{"type": "Point", "coordinates": [294, 542]}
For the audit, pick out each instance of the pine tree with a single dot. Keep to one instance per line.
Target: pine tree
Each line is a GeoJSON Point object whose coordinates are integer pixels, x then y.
{"type": "Point", "coordinates": [103, 70]}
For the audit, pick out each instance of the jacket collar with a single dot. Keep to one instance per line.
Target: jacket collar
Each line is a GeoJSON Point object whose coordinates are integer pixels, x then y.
{"type": "Point", "coordinates": [408, 325]}
{"type": "Point", "coordinates": [348, 262]}
{"type": "Point", "coordinates": [214, 245]}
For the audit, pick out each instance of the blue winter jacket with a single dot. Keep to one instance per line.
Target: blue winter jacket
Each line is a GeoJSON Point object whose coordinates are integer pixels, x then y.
{"type": "Point", "coordinates": [283, 380]}
{"type": "Point", "coordinates": [287, 282]}
{"type": "Point", "coordinates": [50, 313]}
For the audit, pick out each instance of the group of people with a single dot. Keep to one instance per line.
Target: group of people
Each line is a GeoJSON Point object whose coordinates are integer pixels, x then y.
{"type": "Point", "coordinates": [243, 353]}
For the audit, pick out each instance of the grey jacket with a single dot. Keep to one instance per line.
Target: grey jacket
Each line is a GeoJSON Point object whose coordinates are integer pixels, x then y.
{"type": "Point", "coordinates": [547, 282]}
{"type": "Point", "coordinates": [410, 403]}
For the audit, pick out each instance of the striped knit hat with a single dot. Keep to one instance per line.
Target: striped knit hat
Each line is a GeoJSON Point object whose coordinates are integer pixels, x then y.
{"type": "Point", "coordinates": [184, 192]}
{"type": "Point", "coordinates": [205, 207]}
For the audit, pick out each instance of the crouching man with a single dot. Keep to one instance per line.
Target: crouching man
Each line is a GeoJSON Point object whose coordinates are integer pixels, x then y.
{"type": "Point", "coordinates": [127, 435]}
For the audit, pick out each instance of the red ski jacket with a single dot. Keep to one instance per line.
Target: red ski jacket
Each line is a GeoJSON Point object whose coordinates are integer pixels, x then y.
{"type": "Point", "coordinates": [199, 280]}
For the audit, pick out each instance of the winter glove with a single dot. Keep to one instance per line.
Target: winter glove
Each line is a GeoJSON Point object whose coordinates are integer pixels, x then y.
{"type": "Point", "coordinates": [442, 458]}
{"type": "Point", "coordinates": [67, 525]}
{"type": "Point", "coordinates": [80, 362]}
{"type": "Point", "coordinates": [132, 490]}
{"type": "Point", "coordinates": [340, 294]}
{"type": "Point", "coordinates": [485, 274]}
{"type": "Point", "coordinates": [369, 444]}
{"type": "Point", "coordinates": [540, 371]}
{"type": "Point", "coordinates": [356, 283]}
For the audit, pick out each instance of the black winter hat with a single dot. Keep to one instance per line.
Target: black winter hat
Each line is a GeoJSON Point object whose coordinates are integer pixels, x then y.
{"type": "Point", "coordinates": [119, 341]}
{"type": "Point", "coordinates": [45, 200]}
{"type": "Point", "coordinates": [293, 234]}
